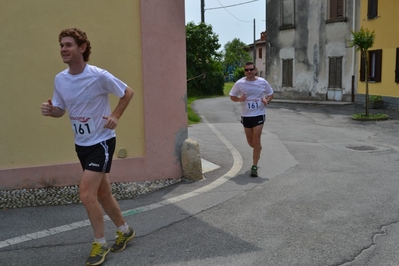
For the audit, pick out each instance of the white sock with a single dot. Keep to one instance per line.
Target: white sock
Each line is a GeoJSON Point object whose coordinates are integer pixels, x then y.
{"type": "Point", "coordinates": [102, 240]}
{"type": "Point", "coordinates": [124, 228]}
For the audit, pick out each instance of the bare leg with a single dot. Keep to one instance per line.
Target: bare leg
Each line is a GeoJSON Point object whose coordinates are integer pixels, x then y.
{"type": "Point", "coordinates": [88, 190]}
{"type": "Point", "coordinates": [109, 203]}
{"type": "Point", "coordinates": [249, 135]}
{"type": "Point", "coordinates": [253, 138]}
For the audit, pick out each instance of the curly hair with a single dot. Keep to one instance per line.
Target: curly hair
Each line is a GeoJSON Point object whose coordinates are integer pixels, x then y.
{"type": "Point", "coordinates": [80, 38]}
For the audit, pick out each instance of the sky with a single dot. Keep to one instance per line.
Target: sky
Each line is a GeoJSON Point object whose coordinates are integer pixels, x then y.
{"type": "Point", "coordinates": [236, 20]}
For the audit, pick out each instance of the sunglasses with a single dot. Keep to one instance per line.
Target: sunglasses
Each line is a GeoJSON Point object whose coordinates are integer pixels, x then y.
{"type": "Point", "coordinates": [249, 69]}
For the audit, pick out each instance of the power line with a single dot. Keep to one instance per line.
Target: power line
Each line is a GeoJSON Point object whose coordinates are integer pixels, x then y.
{"type": "Point", "coordinates": [225, 8]}
{"type": "Point", "coordinates": [230, 5]}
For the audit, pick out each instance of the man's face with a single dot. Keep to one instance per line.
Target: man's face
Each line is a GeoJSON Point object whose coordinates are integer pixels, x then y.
{"type": "Point", "coordinates": [70, 51]}
{"type": "Point", "coordinates": [250, 71]}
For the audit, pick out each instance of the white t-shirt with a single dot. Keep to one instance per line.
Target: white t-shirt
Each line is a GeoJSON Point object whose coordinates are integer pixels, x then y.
{"type": "Point", "coordinates": [85, 96]}
{"type": "Point", "coordinates": [255, 91]}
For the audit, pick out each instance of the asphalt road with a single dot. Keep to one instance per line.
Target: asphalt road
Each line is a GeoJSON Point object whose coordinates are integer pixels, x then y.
{"type": "Point", "coordinates": [327, 195]}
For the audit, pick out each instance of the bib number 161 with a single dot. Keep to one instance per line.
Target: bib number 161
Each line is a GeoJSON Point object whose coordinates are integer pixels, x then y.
{"type": "Point", "coordinates": [253, 105]}
{"type": "Point", "coordinates": [81, 129]}
{"type": "Point", "coordinates": [82, 125]}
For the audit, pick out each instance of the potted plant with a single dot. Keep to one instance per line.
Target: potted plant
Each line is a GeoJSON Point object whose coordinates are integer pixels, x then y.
{"type": "Point", "coordinates": [376, 102]}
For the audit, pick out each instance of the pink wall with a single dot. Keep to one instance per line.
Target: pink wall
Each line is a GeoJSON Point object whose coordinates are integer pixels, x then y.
{"type": "Point", "coordinates": [164, 82]}
{"type": "Point", "coordinates": [164, 89]}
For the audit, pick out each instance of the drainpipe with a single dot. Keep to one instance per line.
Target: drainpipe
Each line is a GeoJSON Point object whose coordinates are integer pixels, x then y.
{"type": "Point", "coordinates": [353, 52]}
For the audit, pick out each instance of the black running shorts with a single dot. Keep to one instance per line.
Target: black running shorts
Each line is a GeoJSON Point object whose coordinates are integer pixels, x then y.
{"type": "Point", "coordinates": [98, 157]}
{"type": "Point", "coordinates": [253, 121]}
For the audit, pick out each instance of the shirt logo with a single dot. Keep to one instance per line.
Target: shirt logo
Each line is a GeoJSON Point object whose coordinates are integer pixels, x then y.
{"type": "Point", "coordinates": [82, 119]}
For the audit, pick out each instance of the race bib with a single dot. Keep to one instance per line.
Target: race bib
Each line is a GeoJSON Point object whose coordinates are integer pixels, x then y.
{"type": "Point", "coordinates": [82, 125]}
{"type": "Point", "coordinates": [254, 104]}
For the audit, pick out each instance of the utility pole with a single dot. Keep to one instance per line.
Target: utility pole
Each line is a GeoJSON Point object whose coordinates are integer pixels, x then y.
{"type": "Point", "coordinates": [203, 11]}
{"type": "Point", "coordinates": [254, 50]}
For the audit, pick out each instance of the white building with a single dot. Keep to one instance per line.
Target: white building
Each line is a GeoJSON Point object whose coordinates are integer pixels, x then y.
{"type": "Point", "coordinates": [307, 48]}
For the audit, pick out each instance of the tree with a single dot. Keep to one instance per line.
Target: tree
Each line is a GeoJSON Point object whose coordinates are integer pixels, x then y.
{"type": "Point", "coordinates": [204, 69]}
{"type": "Point", "coordinates": [235, 56]}
{"type": "Point", "coordinates": [364, 40]}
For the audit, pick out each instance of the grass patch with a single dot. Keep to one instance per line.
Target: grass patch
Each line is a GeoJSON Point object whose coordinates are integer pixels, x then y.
{"type": "Point", "coordinates": [370, 117]}
{"type": "Point", "coordinates": [193, 118]}
{"type": "Point", "coordinates": [227, 87]}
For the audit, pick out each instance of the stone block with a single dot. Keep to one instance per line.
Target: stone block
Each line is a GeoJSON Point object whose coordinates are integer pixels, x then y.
{"type": "Point", "coordinates": [191, 160]}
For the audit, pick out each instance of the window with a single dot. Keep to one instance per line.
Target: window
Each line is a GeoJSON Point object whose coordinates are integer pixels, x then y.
{"type": "Point", "coordinates": [335, 72]}
{"type": "Point", "coordinates": [372, 9]}
{"type": "Point", "coordinates": [287, 14]}
{"type": "Point", "coordinates": [287, 72]}
{"type": "Point", "coordinates": [397, 66]}
{"type": "Point", "coordinates": [336, 11]}
{"type": "Point", "coordinates": [260, 53]}
{"type": "Point", "coordinates": [374, 66]}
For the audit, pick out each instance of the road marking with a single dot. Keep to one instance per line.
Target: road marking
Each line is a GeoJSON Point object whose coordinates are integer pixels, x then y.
{"type": "Point", "coordinates": [207, 166]}
{"type": "Point", "coordinates": [237, 165]}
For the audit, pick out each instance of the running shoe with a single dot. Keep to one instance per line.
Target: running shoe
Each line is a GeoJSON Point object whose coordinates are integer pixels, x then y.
{"type": "Point", "coordinates": [122, 239]}
{"type": "Point", "coordinates": [254, 171]}
{"type": "Point", "coordinates": [97, 254]}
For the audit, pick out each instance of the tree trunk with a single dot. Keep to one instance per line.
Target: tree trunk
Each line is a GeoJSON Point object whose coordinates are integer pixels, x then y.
{"type": "Point", "coordinates": [366, 75]}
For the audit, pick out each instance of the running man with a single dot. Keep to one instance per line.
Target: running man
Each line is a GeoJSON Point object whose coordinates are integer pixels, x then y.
{"type": "Point", "coordinates": [254, 93]}
{"type": "Point", "coordinates": [84, 90]}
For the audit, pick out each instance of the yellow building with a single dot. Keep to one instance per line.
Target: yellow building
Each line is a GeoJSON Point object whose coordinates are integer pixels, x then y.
{"type": "Point", "coordinates": [381, 16]}
{"type": "Point", "coordinates": [139, 41]}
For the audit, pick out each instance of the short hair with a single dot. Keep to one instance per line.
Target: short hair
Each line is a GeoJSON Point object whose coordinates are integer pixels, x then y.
{"type": "Point", "coordinates": [250, 63]}
{"type": "Point", "coordinates": [80, 38]}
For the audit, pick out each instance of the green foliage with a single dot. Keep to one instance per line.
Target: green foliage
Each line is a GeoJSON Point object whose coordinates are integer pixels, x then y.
{"type": "Point", "coordinates": [362, 39]}
{"type": "Point", "coordinates": [227, 88]}
{"type": "Point", "coordinates": [235, 55]}
{"type": "Point", "coordinates": [239, 73]}
{"type": "Point", "coordinates": [375, 117]}
{"type": "Point", "coordinates": [375, 98]}
{"type": "Point", "coordinates": [193, 118]}
{"type": "Point", "coordinates": [202, 57]}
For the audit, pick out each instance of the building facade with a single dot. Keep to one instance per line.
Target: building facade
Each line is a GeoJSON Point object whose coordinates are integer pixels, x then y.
{"type": "Point", "coordinates": [37, 151]}
{"type": "Point", "coordinates": [307, 49]}
{"type": "Point", "coordinates": [258, 53]}
{"type": "Point", "coordinates": [383, 58]}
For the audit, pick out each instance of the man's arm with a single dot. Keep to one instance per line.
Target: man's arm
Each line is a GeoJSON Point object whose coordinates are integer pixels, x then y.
{"type": "Point", "coordinates": [112, 120]}
{"type": "Point", "coordinates": [270, 97]}
{"type": "Point", "coordinates": [49, 110]}
{"type": "Point", "coordinates": [238, 99]}
{"type": "Point", "coordinates": [267, 99]}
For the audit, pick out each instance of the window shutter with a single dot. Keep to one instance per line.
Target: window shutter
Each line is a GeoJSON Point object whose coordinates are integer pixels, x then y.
{"type": "Point", "coordinates": [287, 80]}
{"type": "Point", "coordinates": [335, 72]}
{"type": "Point", "coordinates": [362, 68]}
{"type": "Point", "coordinates": [340, 9]}
{"type": "Point", "coordinates": [369, 8]}
{"type": "Point", "coordinates": [372, 11]}
{"type": "Point", "coordinates": [397, 66]}
{"type": "Point", "coordinates": [331, 72]}
{"type": "Point", "coordinates": [338, 72]}
{"type": "Point", "coordinates": [285, 73]}
{"type": "Point", "coordinates": [333, 9]}
{"type": "Point", "coordinates": [378, 65]}
{"type": "Point", "coordinates": [290, 70]}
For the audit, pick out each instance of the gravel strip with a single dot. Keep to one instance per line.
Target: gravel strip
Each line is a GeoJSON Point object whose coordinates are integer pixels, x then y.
{"type": "Point", "coordinates": [19, 198]}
